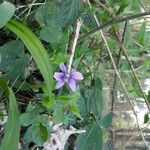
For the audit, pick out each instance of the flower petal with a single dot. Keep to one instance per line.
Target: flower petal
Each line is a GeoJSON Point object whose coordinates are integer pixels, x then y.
{"type": "Point", "coordinates": [59, 85]}
{"type": "Point", "coordinates": [72, 84]}
{"type": "Point", "coordinates": [63, 68]}
{"type": "Point", "coordinates": [76, 75]}
{"type": "Point", "coordinates": [59, 76]}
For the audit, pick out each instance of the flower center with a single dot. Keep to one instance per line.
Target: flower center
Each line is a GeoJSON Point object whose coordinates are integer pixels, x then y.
{"type": "Point", "coordinates": [67, 77]}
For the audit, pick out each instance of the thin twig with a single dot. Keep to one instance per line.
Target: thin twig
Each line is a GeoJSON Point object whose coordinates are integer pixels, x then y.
{"type": "Point", "coordinates": [129, 100]}
{"type": "Point", "coordinates": [119, 57]}
{"type": "Point", "coordinates": [114, 65]}
{"type": "Point", "coordinates": [142, 5]}
{"type": "Point", "coordinates": [30, 7]}
{"type": "Point", "coordinates": [103, 6]}
{"type": "Point", "coordinates": [112, 22]}
{"type": "Point", "coordinates": [135, 134]}
{"type": "Point", "coordinates": [22, 13]}
{"type": "Point", "coordinates": [74, 43]}
{"type": "Point", "coordinates": [117, 72]}
{"type": "Point", "coordinates": [133, 71]}
{"type": "Point", "coordinates": [113, 92]}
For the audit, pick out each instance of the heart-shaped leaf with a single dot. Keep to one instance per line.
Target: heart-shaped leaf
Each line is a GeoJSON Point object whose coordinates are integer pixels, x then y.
{"type": "Point", "coordinates": [6, 12]}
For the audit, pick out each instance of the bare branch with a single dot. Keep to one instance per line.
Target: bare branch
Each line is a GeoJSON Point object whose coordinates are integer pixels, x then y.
{"type": "Point", "coordinates": [121, 81]}
{"type": "Point", "coordinates": [112, 22]}
{"type": "Point", "coordinates": [74, 43]}
{"type": "Point", "coordinates": [133, 71]}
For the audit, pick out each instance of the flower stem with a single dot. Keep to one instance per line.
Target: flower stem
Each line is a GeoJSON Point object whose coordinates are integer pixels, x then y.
{"type": "Point", "coordinates": [74, 43]}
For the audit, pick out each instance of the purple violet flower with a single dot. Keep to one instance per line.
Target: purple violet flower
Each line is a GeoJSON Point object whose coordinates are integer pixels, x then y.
{"type": "Point", "coordinates": [69, 78]}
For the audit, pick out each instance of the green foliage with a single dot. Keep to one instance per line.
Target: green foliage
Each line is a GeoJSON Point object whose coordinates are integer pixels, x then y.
{"type": "Point", "coordinates": [58, 58]}
{"type": "Point", "coordinates": [91, 101]}
{"type": "Point", "coordinates": [6, 12]}
{"type": "Point", "coordinates": [113, 45]}
{"type": "Point", "coordinates": [123, 5]}
{"type": "Point", "coordinates": [146, 118]}
{"type": "Point", "coordinates": [92, 139]}
{"type": "Point", "coordinates": [135, 87]}
{"type": "Point", "coordinates": [49, 101]}
{"type": "Point", "coordinates": [64, 107]}
{"type": "Point", "coordinates": [135, 6]}
{"type": "Point", "coordinates": [95, 100]}
{"type": "Point", "coordinates": [70, 11]}
{"type": "Point", "coordinates": [83, 104]}
{"type": "Point", "coordinates": [142, 34]}
{"type": "Point", "coordinates": [106, 121]}
{"type": "Point", "coordinates": [14, 62]}
{"type": "Point", "coordinates": [124, 66]}
{"type": "Point", "coordinates": [30, 116]}
{"type": "Point", "coordinates": [59, 114]}
{"type": "Point", "coordinates": [12, 130]}
{"type": "Point", "coordinates": [54, 22]}
{"type": "Point", "coordinates": [38, 125]}
{"type": "Point", "coordinates": [148, 96]}
{"type": "Point", "coordinates": [48, 17]}
{"type": "Point", "coordinates": [36, 49]}
{"type": "Point", "coordinates": [39, 132]}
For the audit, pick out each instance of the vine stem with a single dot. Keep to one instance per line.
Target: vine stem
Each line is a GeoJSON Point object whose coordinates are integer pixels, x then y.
{"type": "Point", "coordinates": [113, 91]}
{"type": "Point", "coordinates": [124, 88]}
{"type": "Point", "coordinates": [112, 22]}
{"type": "Point", "coordinates": [133, 71]}
{"type": "Point", "coordinates": [74, 43]}
{"type": "Point", "coordinates": [121, 81]}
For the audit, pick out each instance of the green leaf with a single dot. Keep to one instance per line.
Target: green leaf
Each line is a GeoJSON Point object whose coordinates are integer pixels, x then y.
{"type": "Point", "coordinates": [83, 105]}
{"type": "Point", "coordinates": [70, 11]}
{"type": "Point", "coordinates": [71, 98]}
{"type": "Point", "coordinates": [113, 45]}
{"type": "Point", "coordinates": [95, 101]}
{"type": "Point", "coordinates": [48, 16]}
{"type": "Point", "coordinates": [106, 120]}
{"type": "Point", "coordinates": [39, 132]}
{"type": "Point", "coordinates": [133, 51]}
{"type": "Point", "coordinates": [6, 12]}
{"type": "Point", "coordinates": [148, 96]}
{"type": "Point", "coordinates": [75, 110]}
{"type": "Point", "coordinates": [14, 62]}
{"type": "Point", "coordinates": [142, 34]}
{"type": "Point", "coordinates": [4, 87]}
{"type": "Point", "coordinates": [124, 65]}
{"type": "Point", "coordinates": [59, 47]}
{"type": "Point", "coordinates": [12, 131]}
{"type": "Point", "coordinates": [49, 101]}
{"type": "Point", "coordinates": [65, 105]}
{"type": "Point", "coordinates": [30, 117]}
{"type": "Point", "coordinates": [135, 87]}
{"type": "Point", "coordinates": [59, 114]}
{"type": "Point", "coordinates": [146, 118]}
{"type": "Point", "coordinates": [59, 58]}
{"type": "Point", "coordinates": [89, 20]}
{"type": "Point", "coordinates": [52, 33]}
{"type": "Point", "coordinates": [44, 132]}
{"type": "Point", "coordinates": [135, 6]}
{"type": "Point", "coordinates": [123, 5]}
{"type": "Point", "coordinates": [92, 139]}
{"type": "Point", "coordinates": [36, 49]}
